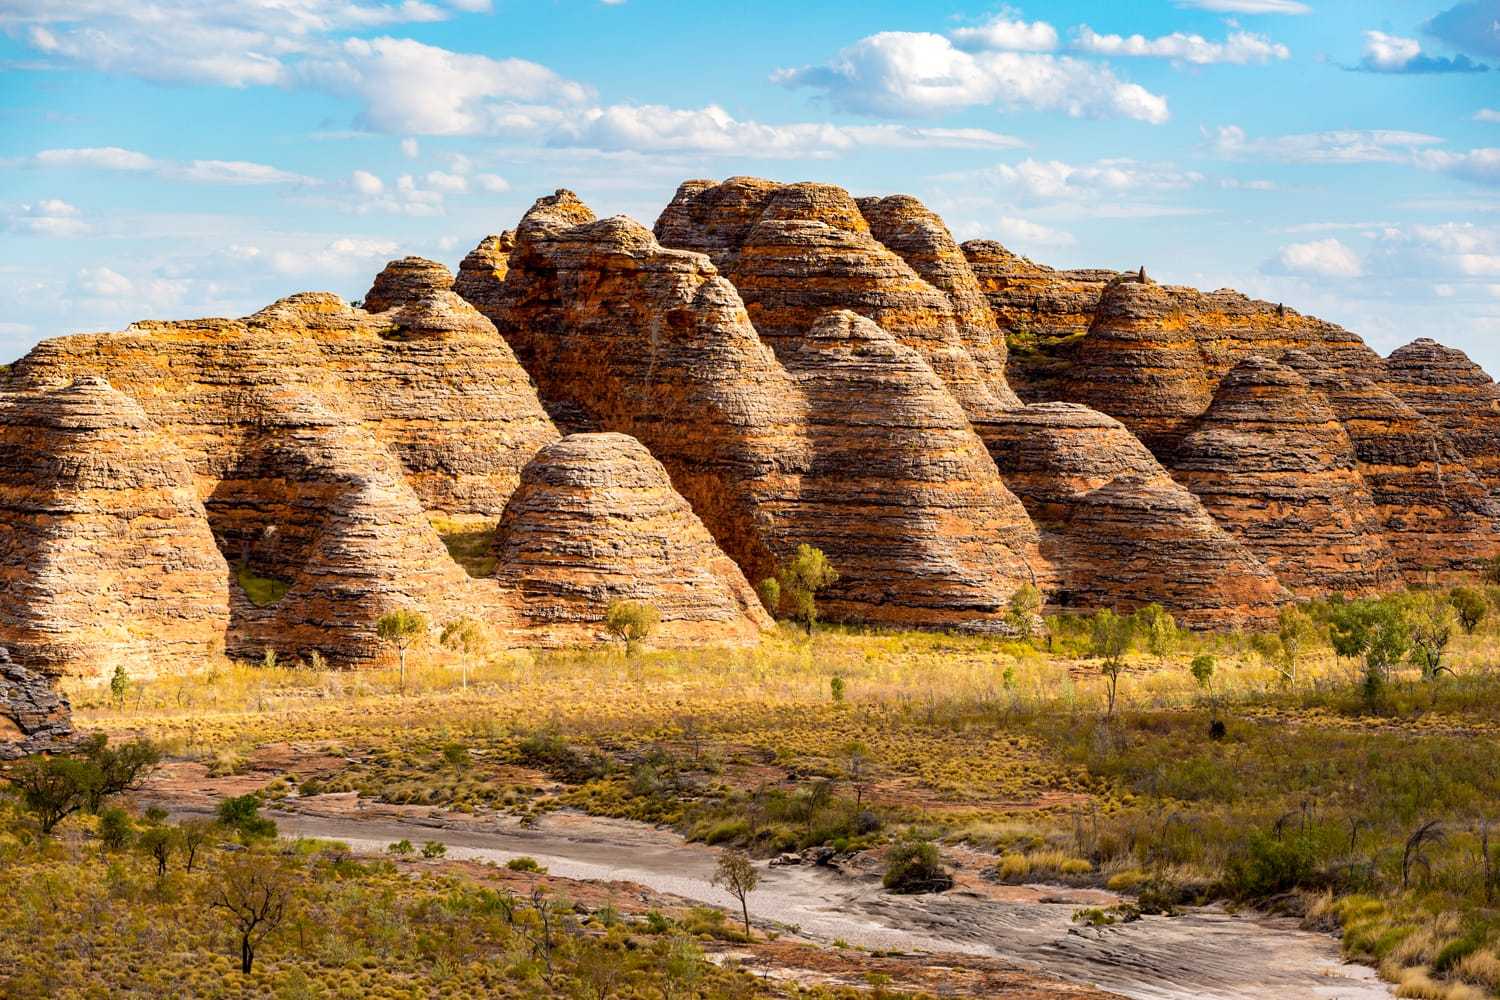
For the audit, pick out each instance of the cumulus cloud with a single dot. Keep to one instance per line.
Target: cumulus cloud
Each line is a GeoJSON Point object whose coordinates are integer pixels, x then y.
{"type": "Point", "coordinates": [493, 183]}
{"type": "Point", "coordinates": [1001, 34]}
{"type": "Point", "coordinates": [102, 282]}
{"type": "Point", "coordinates": [1023, 233]}
{"type": "Point", "coordinates": [1393, 54]}
{"type": "Point", "coordinates": [100, 157]}
{"type": "Point", "coordinates": [1328, 258]}
{"type": "Point", "coordinates": [1487, 115]}
{"type": "Point", "coordinates": [904, 74]}
{"type": "Point", "coordinates": [1460, 253]}
{"type": "Point", "coordinates": [1482, 166]}
{"type": "Point", "coordinates": [348, 255]}
{"type": "Point", "coordinates": [366, 183]}
{"type": "Point", "coordinates": [1241, 47]}
{"type": "Point", "coordinates": [48, 217]}
{"type": "Point", "coordinates": [1248, 6]}
{"type": "Point", "coordinates": [1055, 180]}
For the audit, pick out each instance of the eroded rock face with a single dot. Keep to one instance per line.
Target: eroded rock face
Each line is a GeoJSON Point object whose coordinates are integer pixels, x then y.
{"type": "Point", "coordinates": [482, 271]}
{"type": "Point", "coordinates": [847, 442]}
{"type": "Point", "coordinates": [1040, 312]}
{"type": "Point", "coordinates": [1117, 530]}
{"type": "Point", "coordinates": [1272, 463]}
{"type": "Point", "coordinates": [1437, 516]}
{"type": "Point", "coordinates": [595, 520]}
{"type": "Point", "coordinates": [796, 252]}
{"type": "Point", "coordinates": [34, 716]}
{"type": "Point", "coordinates": [406, 280]}
{"type": "Point", "coordinates": [1455, 394]}
{"type": "Point", "coordinates": [106, 557]}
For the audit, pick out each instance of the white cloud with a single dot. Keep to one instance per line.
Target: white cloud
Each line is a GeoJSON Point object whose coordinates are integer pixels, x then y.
{"type": "Point", "coordinates": [493, 183]}
{"type": "Point", "coordinates": [342, 256]}
{"type": "Point", "coordinates": [410, 148]}
{"type": "Point", "coordinates": [1023, 233]}
{"type": "Point", "coordinates": [900, 74]}
{"type": "Point", "coordinates": [1459, 252]}
{"type": "Point", "coordinates": [1248, 6]}
{"type": "Point", "coordinates": [101, 282]}
{"type": "Point", "coordinates": [366, 183]}
{"type": "Point", "coordinates": [1241, 47]}
{"type": "Point", "coordinates": [1055, 180]}
{"type": "Point", "coordinates": [1000, 34]}
{"type": "Point", "coordinates": [1481, 166]}
{"type": "Point", "coordinates": [1389, 52]}
{"type": "Point", "coordinates": [406, 86]}
{"type": "Point", "coordinates": [99, 157]}
{"type": "Point", "coordinates": [446, 183]}
{"type": "Point", "coordinates": [1320, 258]}
{"type": "Point", "coordinates": [235, 172]}
{"type": "Point", "coordinates": [48, 217]}
{"type": "Point", "coordinates": [1342, 146]}
{"type": "Point", "coordinates": [1487, 115]}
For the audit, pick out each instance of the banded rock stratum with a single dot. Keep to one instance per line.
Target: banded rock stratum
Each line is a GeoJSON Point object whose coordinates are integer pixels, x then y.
{"type": "Point", "coordinates": [662, 414]}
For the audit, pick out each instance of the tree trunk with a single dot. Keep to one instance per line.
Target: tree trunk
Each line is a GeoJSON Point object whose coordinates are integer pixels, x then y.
{"type": "Point", "coordinates": [745, 911]}
{"type": "Point", "coordinates": [401, 654]}
{"type": "Point", "coordinates": [247, 954]}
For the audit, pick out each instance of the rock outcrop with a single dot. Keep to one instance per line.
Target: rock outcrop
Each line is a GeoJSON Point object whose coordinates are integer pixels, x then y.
{"type": "Point", "coordinates": [1271, 462]}
{"type": "Point", "coordinates": [106, 557]}
{"type": "Point", "coordinates": [482, 272]}
{"type": "Point", "coordinates": [406, 280]}
{"type": "Point", "coordinates": [34, 716]}
{"type": "Point", "coordinates": [1118, 531]}
{"type": "Point", "coordinates": [625, 335]}
{"type": "Point", "coordinates": [1437, 517]}
{"type": "Point", "coordinates": [595, 520]}
{"type": "Point", "coordinates": [798, 251]}
{"type": "Point", "coordinates": [1041, 312]}
{"type": "Point", "coordinates": [1455, 394]}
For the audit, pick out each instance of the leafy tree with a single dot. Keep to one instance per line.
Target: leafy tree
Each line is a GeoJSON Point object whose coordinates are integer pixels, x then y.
{"type": "Point", "coordinates": [466, 637]}
{"type": "Point", "coordinates": [192, 835]}
{"type": "Point", "coordinates": [1470, 606]}
{"type": "Point", "coordinates": [53, 788]}
{"type": "Point", "coordinates": [736, 875]}
{"type": "Point", "coordinates": [119, 684]}
{"type": "Point", "coordinates": [798, 581]}
{"type": "Point", "coordinates": [399, 630]}
{"type": "Point", "coordinates": [1203, 669]}
{"type": "Point", "coordinates": [858, 770]}
{"type": "Point", "coordinates": [115, 829]}
{"type": "Point", "coordinates": [1022, 610]}
{"type": "Point", "coordinates": [769, 592]}
{"type": "Point", "coordinates": [1296, 632]}
{"type": "Point", "coordinates": [1159, 629]}
{"type": "Point", "coordinates": [914, 865]}
{"type": "Point", "coordinates": [158, 842]}
{"type": "Point", "coordinates": [242, 815]}
{"type": "Point", "coordinates": [255, 890]}
{"type": "Point", "coordinates": [1432, 620]}
{"type": "Point", "coordinates": [1110, 637]}
{"type": "Point", "coordinates": [120, 768]}
{"type": "Point", "coordinates": [631, 622]}
{"type": "Point", "coordinates": [836, 687]}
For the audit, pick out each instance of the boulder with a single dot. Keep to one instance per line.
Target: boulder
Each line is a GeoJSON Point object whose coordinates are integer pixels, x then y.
{"type": "Point", "coordinates": [34, 716]}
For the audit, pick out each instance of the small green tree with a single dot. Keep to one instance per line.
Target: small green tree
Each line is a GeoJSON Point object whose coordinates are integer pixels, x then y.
{"type": "Point", "coordinates": [1022, 610]}
{"type": "Point", "coordinates": [1431, 621]}
{"type": "Point", "coordinates": [400, 630]}
{"type": "Point", "coordinates": [115, 829]}
{"type": "Point", "coordinates": [241, 814]}
{"type": "Point", "coordinates": [1110, 638]}
{"type": "Point", "coordinates": [836, 688]}
{"type": "Point", "coordinates": [1470, 606]}
{"type": "Point", "coordinates": [799, 580]}
{"type": "Point", "coordinates": [769, 592]}
{"type": "Point", "coordinates": [1297, 633]}
{"type": "Point", "coordinates": [465, 637]}
{"type": "Point", "coordinates": [631, 622]}
{"type": "Point", "coordinates": [119, 684]}
{"type": "Point", "coordinates": [53, 788]}
{"type": "Point", "coordinates": [1158, 629]}
{"type": "Point", "coordinates": [158, 842]}
{"type": "Point", "coordinates": [192, 836]}
{"type": "Point", "coordinates": [737, 875]}
{"type": "Point", "coordinates": [1203, 670]}
{"type": "Point", "coordinates": [1387, 638]}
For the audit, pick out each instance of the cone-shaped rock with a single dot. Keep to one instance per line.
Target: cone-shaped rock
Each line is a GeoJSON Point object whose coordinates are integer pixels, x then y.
{"type": "Point", "coordinates": [595, 520]}
{"type": "Point", "coordinates": [1455, 394]}
{"type": "Point", "coordinates": [482, 271]}
{"type": "Point", "coordinates": [1118, 531]}
{"type": "Point", "coordinates": [106, 557]}
{"type": "Point", "coordinates": [406, 280]}
{"type": "Point", "coordinates": [1274, 466]}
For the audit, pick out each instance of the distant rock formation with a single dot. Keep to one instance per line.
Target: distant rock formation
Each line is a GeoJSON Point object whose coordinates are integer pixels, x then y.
{"type": "Point", "coordinates": [406, 280]}
{"type": "Point", "coordinates": [34, 717]}
{"type": "Point", "coordinates": [595, 520]}
{"type": "Point", "coordinates": [1271, 462]}
{"type": "Point", "coordinates": [106, 558]}
{"type": "Point", "coordinates": [1117, 529]}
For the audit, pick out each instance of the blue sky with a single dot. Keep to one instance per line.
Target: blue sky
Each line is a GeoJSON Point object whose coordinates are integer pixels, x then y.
{"type": "Point", "coordinates": [179, 158]}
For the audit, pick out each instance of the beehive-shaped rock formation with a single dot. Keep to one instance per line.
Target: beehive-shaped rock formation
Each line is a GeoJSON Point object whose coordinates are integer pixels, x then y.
{"type": "Point", "coordinates": [106, 558]}
{"type": "Point", "coordinates": [1274, 466]}
{"type": "Point", "coordinates": [1117, 530]}
{"type": "Point", "coordinates": [1437, 516]}
{"type": "Point", "coordinates": [406, 280]}
{"type": "Point", "coordinates": [596, 520]}
{"type": "Point", "coordinates": [624, 335]}
{"type": "Point", "coordinates": [1455, 394]}
{"type": "Point", "coordinates": [796, 252]}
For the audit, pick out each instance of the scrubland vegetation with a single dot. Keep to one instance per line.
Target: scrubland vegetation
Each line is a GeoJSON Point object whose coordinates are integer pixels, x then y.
{"type": "Point", "coordinates": [1342, 767]}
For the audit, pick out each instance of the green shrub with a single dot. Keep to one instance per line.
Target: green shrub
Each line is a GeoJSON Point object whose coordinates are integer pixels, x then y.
{"type": "Point", "coordinates": [526, 864]}
{"type": "Point", "coordinates": [241, 814]}
{"type": "Point", "coordinates": [913, 865]}
{"type": "Point", "coordinates": [115, 831]}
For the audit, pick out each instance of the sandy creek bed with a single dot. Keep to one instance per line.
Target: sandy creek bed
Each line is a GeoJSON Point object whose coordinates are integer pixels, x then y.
{"type": "Point", "coordinates": [1203, 954]}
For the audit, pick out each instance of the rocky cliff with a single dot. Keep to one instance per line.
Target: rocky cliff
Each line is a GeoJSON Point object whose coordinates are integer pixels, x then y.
{"type": "Point", "coordinates": [1456, 396]}
{"type": "Point", "coordinates": [34, 718]}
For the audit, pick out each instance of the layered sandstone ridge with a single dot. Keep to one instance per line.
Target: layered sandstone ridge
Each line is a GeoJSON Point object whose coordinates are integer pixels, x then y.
{"type": "Point", "coordinates": [837, 435]}
{"type": "Point", "coordinates": [1455, 394]}
{"type": "Point", "coordinates": [1271, 462]}
{"type": "Point", "coordinates": [34, 717]}
{"type": "Point", "coordinates": [596, 520]}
